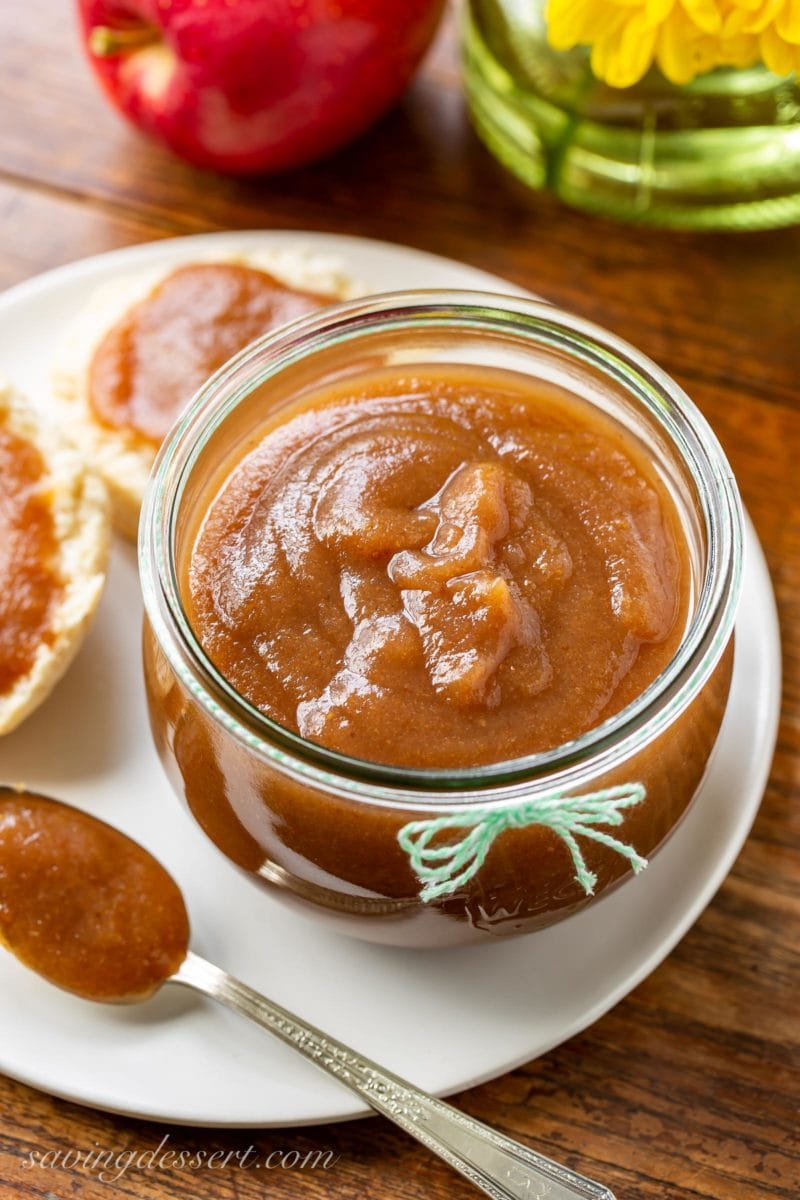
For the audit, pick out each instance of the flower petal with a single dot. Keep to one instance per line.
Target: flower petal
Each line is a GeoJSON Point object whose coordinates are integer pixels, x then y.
{"type": "Point", "coordinates": [787, 22]}
{"type": "Point", "coordinates": [740, 51]}
{"type": "Point", "coordinates": [622, 58]}
{"type": "Point", "coordinates": [781, 57]}
{"type": "Point", "coordinates": [581, 22]}
{"type": "Point", "coordinates": [677, 52]}
{"type": "Point", "coordinates": [705, 14]}
{"type": "Point", "coordinates": [763, 16]}
{"type": "Point", "coordinates": [657, 11]}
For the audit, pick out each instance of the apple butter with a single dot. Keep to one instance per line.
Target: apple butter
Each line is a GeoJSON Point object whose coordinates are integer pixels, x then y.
{"type": "Point", "coordinates": [156, 357]}
{"type": "Point", "coordinates": [83, 905]}
{"type": "Point", "coordinates": [411, 569]}
{"type": "Point", "coordinates": [32, 586]}
{"type": "Point", "coordinates": [439, 567]}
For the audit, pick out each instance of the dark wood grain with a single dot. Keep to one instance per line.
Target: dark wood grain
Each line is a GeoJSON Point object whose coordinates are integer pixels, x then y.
{"type": "Point", "coordinates": [691, 1086]}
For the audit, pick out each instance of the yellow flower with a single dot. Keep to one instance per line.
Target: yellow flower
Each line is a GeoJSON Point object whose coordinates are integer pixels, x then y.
{"type": "Point", "coordinates": [685, 37]}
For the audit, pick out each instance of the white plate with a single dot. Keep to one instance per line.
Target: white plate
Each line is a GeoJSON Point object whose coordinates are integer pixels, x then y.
{"type": "Point", "coordinates": [445, 1020]}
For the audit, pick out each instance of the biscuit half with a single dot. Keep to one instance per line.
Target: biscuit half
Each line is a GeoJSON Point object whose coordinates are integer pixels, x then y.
{"type": "Point", "coordinates": [120, 457]}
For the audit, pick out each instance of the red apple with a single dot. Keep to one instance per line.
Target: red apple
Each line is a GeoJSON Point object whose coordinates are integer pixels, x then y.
{"type": "Point", "coordinates": [251, 86]}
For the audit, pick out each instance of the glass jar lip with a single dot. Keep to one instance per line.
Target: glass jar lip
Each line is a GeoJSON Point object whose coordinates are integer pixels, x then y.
{"type": "Point", "coordinates": [567, 765]}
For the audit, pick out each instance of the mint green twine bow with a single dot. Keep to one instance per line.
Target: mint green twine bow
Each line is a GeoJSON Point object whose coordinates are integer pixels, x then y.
{"type": "Point", "coordinates": [444, 867]}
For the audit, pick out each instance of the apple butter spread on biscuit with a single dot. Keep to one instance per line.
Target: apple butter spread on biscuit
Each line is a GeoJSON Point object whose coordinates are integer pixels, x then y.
{"type": "Point", "coordinates": [32, 583]}
{"type": "Point", "coordinates": [151, 362]}
{"type": "Point", "coordinates": [433, 566]}
{"type": "Point", "coordinates": [54, 535]}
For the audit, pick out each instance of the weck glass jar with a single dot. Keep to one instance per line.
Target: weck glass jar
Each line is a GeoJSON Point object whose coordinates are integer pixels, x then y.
{"type": "Point", "coordinates": [325, 832]}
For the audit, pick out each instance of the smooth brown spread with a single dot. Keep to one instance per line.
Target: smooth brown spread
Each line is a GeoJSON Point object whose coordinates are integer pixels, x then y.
{"type": "Point", "coordinates": [83, 905]}
{"type": "Point", "coordinates": [150, 364]}
{"type": "Point", "coordinates": [440, 568]}
{"type": "Point", "coordinates": [31, 583]}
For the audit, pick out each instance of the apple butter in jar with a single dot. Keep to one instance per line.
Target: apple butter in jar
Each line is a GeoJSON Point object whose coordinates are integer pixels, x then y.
{"type": "Point", "coordinates": [440, 597]}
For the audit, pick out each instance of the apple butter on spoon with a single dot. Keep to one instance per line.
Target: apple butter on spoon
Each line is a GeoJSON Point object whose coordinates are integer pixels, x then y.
{"type": "Point", "coordinates": [93, 912]}
{"type": "Point", "coordinates": [84, 906]}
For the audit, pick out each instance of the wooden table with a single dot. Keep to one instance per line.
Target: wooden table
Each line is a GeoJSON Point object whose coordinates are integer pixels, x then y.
{"type": "Point", "coordinates": [690, 1087]}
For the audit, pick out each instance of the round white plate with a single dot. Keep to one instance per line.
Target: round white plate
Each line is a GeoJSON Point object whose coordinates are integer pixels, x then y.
{"type": "Point", "coordinates": [444, 1020]}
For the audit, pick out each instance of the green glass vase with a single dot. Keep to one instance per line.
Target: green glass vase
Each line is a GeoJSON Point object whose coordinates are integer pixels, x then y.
{"type": "Point", "coordinates": [720, 153]}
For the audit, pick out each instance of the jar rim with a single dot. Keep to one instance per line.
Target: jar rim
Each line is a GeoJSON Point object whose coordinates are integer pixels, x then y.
{"type": "Point", "coordinates": [567, 765]}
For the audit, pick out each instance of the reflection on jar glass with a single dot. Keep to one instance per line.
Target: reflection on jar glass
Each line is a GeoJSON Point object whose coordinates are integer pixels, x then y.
{"type": "Point", "coordinates": [321, 829]}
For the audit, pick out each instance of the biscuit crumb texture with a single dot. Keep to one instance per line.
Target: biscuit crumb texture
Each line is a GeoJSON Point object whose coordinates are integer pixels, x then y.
{"type": "Point", "coordinates": [82, 526]}
{"type": "Point", "coordinates": [121, 458]}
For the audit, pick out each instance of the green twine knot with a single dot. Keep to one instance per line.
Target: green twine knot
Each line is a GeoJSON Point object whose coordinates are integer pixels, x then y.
{"type": "Point", "coordinates": [443, 868]}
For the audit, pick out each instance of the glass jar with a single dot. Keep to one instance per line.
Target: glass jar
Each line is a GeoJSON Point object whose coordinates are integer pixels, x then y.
{"type": "Point", "coordinates": [722, 152]}
{"type": "Point", "coordinates": [320, 830]}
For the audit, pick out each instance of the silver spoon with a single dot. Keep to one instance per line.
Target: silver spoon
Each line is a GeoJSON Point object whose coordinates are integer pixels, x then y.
{"type": "Point", "coordinates": [60, 866]}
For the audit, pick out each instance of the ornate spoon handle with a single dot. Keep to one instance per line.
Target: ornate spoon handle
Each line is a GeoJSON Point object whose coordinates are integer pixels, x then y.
{"type": "Point", "coordinates": [499, 1166]}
